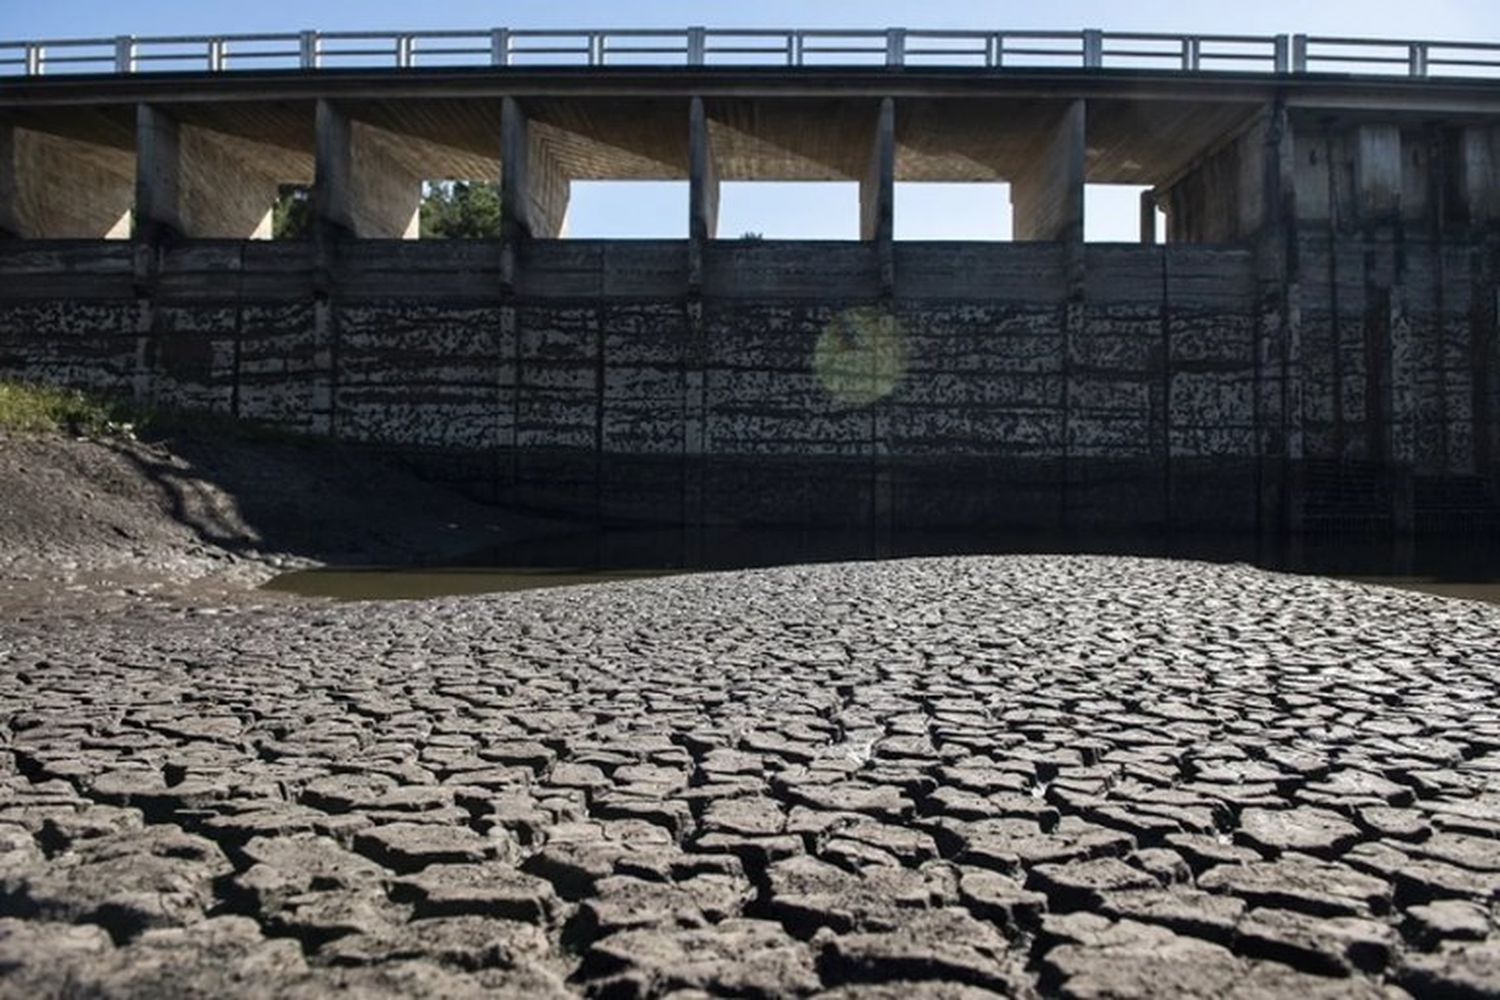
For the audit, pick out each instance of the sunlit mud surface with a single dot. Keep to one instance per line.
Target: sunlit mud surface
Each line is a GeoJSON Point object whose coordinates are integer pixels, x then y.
{"type": "Point", "coordinates": [1024, 774]}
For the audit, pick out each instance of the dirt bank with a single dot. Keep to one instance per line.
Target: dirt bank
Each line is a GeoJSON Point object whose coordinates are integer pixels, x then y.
{"type": "Point", "coordinates": [208, 518]}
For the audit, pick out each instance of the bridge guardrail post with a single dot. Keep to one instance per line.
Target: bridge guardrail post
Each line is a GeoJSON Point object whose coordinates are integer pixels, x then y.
{"type": "Point", "coordinates": [1299, 53]}
{"type": "Point", "coordinates": [697, 46]}
{"type": "Point", "coordinates": [1191, 54]}
{"type": "Point", "coordinates": [309, 50]}
{"type": "Point", "coordinates": [1416, 59]}
{"type": "Point", "coordinates": [124, 54]}
{"type": "Point", "coordinates": [36, 60]}
{"type": "Point", "coordinates": [500, 47]}
{"type": "Point", "coordinates": [1093, 48]}
{"type": "Point", "coordinates": [1283, 56]}
{"type": "Point", "coordinates": [895, 46]}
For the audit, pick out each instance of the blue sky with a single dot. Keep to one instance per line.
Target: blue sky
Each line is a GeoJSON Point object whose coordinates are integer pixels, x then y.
{"type": "Point", "coordinates": [829, 211]}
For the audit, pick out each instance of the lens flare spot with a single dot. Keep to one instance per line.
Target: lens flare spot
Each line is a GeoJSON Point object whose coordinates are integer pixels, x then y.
{"type": "Point", "coordinates": [860, 356]}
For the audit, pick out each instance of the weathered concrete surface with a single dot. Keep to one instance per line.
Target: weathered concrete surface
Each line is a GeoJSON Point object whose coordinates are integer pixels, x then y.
{"type": "Point", "coordinates": [196, 182]}
{"type": "Point", "coordinates": [535, 191]}
{"type": "Point", "coordinates": [365, 186]}
{"type": "Point", "coordinates": [775, 382]}
{"type": "Point", "coordinates": [1082, 776]}
{"type": "Point", "coordinates": [57, 186]}
{"type": "Point", "coordinates": [1047, 196]}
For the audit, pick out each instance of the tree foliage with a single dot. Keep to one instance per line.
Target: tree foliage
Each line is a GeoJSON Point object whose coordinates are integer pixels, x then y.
{"type": "Point", "coordinates": [461, 210]}
{"type": "Point", "coordinates": [450, 210]}
{"type": "Point", "coordinates": [291, 218]}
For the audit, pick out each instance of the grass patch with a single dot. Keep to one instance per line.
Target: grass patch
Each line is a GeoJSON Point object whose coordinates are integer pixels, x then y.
{"type": "Point", "coordinates": [29, 408]}
{"type": "Point", "coordinates": [26, 407]}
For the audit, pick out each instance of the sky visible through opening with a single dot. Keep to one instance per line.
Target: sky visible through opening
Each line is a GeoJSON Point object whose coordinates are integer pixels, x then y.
{"type": "Point", "coordinates": [829, 210]}
{"type": "Point", "coordinates": [777, 210]}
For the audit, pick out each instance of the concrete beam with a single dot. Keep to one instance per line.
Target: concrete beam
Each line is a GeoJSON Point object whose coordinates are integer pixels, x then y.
{"type": "Point", "coordinates": [52, 187]}
{"type": "Point", "coordinates": [198, 182]}
{"type": "Point", "coordinates": [703, 177]}
{"type": "Point", "coordinates": [362, 187]}
{"type": "Point", "coordinates": [1047, 196]}
{"type": "Point", "coordinates": [877, 188]}
{"type": "Point", "coordinates": [533, 188]}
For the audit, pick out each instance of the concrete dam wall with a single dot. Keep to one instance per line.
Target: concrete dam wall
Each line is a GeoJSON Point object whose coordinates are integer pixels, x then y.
{"type": "Point", "coordinates": [1313, 347]}
{"type": "Point", "coordinates": [1027, 384]}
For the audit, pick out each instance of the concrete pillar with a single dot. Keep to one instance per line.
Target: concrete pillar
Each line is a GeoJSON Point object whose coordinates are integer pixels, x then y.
{"type": "Point", "coordinates": [877, 188]}
{"type": "Point", "coordinates": [362, 187]}
{"type": "Point", "coordinates": [10, 221]}
{"type": "Point", "coordinates": [197, 182]}
{"type": "Point", "coordinates": [703, 177]}
{"type": "Point", "coordinates": [158, 174]}
{"type": "Point", "coordinates": [52, 187]}
{"type": "Point", "coordinates": [1377, 173]}
{"type": "Point", "coordinates": [1148, 218]}
{"type": "Point", "coordinates": [533, 187]}
{"type": "Point", "coordinates": [1047, 197]}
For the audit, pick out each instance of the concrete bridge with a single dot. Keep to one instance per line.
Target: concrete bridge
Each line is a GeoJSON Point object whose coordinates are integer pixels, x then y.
{"type": "Point", "coordinates": [1313, 343]}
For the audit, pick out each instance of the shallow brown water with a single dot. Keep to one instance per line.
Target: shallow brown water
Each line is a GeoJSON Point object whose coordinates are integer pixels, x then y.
{"type": "Point", "coordinates": [1449, 568]}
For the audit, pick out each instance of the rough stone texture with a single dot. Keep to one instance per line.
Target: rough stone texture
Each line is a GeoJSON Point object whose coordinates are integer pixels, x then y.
{"type": "Point", "coordinates": [1028, 775]}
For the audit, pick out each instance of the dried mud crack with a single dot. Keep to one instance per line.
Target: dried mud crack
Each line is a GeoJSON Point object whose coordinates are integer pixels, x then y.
{"type": "Point", "coordinates": [945, 777]}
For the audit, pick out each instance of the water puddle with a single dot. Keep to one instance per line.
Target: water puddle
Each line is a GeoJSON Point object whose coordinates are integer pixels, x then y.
{"type": "Point", "coordinates": [1460, 568]}
{"type": "Point", "coordinates": [377, 583]}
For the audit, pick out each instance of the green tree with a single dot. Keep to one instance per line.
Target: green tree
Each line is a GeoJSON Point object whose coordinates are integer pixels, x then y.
{"type": "Point", "coordinates": [450, 210]}
{"type": "Point", "coordinates": [291, 218]}
{"type": "Point", "coordinates": [461, 210]}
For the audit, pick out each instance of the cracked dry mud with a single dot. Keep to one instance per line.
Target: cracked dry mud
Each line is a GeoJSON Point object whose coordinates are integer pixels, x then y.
{"type": "Point", "coordinates": [930, 778]}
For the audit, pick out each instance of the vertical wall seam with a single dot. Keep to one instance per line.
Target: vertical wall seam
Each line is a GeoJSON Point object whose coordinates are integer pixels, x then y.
{"type": "Point", "coordinates": [1335, 323]}
{"type": "Point", "coordinates": [1166, 389]}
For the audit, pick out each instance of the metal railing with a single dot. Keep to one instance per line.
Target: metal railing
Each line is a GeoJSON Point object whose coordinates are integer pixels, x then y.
{"type": "Point", "coordinates": [742, 47]}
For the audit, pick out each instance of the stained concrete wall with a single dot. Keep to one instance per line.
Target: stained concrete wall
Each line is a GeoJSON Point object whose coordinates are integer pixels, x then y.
{"type": "Point", "coordinates": [1221, 198]}
{"type": "Point", "coordinates": [979, 391]}
{"type": "Point", "coordinates": [1426, 177]}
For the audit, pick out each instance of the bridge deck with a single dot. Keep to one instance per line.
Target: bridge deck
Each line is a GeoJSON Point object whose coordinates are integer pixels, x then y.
{"type": "Point", "coordinates": [768, 124]}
